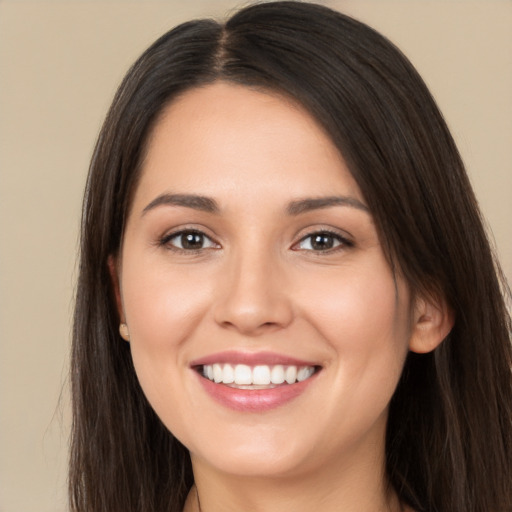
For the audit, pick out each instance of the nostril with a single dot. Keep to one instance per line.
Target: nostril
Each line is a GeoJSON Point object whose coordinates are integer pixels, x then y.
{"type": "Point", "coordinates": [250, 300]}
{"type": "Point", "coordinates": [249, 328]}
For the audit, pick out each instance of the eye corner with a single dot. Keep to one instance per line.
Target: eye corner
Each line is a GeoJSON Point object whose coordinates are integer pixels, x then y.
{"type": "Point", "coordinates": [322, 241]}
{"type": "Point", "coordinates": [188, 241]}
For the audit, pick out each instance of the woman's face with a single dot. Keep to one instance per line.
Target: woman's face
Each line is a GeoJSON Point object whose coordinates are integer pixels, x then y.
{"type": "Point", "coordinates": [267, 329]}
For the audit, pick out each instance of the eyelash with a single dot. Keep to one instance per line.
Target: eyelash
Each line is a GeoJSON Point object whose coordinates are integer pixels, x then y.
{"type": "Point", "coordinates": [343, 243]}
{"type": "Point", "coordinates": [166, 241]}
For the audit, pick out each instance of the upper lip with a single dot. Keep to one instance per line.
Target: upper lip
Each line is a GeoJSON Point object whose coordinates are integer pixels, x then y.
{"type": "Point", "coordinates": [251, 359]}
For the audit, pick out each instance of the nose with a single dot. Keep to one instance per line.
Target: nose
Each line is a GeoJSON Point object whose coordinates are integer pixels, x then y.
{"type": "Point", "coordinates": [253, 296]}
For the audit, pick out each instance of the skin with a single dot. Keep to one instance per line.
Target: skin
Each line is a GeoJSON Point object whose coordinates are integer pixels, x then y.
{"type": "Point", "coordinates": [257, 284]}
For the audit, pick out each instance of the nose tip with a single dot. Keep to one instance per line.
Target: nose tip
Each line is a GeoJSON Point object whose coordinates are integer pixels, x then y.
{"type": "Point", "coordinates": [252, 321]}
{"type": "Point", "coordinates": [253, 302]}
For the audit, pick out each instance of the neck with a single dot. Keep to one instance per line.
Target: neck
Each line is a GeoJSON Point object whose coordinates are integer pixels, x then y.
{"type": "Point", "coordinates": [351, 488]}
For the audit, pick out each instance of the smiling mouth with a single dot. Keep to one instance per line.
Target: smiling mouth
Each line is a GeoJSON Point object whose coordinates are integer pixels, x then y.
{"type": "Point", "coordinates": [242, 376]}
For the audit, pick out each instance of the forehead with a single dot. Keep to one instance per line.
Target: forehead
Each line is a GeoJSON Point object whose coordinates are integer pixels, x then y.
{"type": "Point", "coordinates": [225, 138]}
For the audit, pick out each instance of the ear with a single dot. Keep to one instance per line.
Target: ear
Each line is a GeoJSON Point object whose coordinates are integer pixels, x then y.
{"type": "Point", "coordinates": [433, 321]}
{"type": "Point", "coordinates": [114, 277]}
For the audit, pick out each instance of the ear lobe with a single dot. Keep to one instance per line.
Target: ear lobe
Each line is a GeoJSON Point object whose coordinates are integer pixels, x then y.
{"type": "Point", "coordinates": [114, 277]}
{"type": "Point", "coordinates": [433, 321]}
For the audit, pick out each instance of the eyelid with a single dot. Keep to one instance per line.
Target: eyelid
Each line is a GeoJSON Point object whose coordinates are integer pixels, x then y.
{"type": "Point", "coordinates": [344, 240]}
{"type": "Point", "coordinates": [167, 237]}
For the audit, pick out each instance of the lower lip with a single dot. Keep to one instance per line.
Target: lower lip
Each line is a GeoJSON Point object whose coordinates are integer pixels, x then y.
{"type": "Point", "coordinates": [254, 400]}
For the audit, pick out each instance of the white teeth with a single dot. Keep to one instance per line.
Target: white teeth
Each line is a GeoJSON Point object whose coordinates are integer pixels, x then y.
{"type": "Point", "coordinates": [291, 374]}
{"type": "Point", "coordinates": [228, 375]}
{"type": "Point", "coordinates": [243, 374]}
{"type": "Point", "coordinates": [277, 374]}
{"type": "Point", "coordinates": [217, 373]}
{"type": "Point", "coordinates": [304, 373]}
{"type": "Point", "coordinates": [261, 375]}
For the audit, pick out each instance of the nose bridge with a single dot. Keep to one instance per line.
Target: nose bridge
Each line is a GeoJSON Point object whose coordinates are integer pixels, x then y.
{"type": "Point", "coordinates": [253, 299]}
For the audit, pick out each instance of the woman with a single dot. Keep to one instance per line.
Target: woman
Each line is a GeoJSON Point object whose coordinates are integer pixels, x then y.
{"type": "Point", "coordinates": [286, 296]}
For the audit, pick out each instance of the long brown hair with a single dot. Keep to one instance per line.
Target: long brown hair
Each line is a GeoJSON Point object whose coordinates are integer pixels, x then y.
{"type": "Point", "coordinates": [449, 436]}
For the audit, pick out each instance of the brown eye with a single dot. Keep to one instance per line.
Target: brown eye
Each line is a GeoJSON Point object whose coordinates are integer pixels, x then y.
{"type": "Point", "coordinates": [189, 241]}
{"type": "Point", "coordinates": [322, 241]}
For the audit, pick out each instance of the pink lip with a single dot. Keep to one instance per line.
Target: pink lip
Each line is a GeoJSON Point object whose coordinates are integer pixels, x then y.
{"type": "Point", "coordinates": [252, 400]}
{"type": "Point", "coordinates": [256, 400]}
{"type": "Point", "coordinates": [250, 359]}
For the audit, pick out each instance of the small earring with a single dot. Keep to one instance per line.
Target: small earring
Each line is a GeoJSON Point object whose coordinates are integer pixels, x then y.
{"type": "Point", "coordinates": [123, 331]}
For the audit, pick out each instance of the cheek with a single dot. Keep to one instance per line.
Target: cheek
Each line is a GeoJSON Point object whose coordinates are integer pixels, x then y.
{"type": "Point", "coordinates": [163, 309]}
{"type": "Point", "coordinates": [162, 305]}
{"type": "Point", "coordinates": [363, 315]}
{"type": "Point", "coordinates": [365, 303]}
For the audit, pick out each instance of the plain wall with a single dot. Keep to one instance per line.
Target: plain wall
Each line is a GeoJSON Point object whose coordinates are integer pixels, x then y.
{"type": "Point", "coordinates": [60, 63]}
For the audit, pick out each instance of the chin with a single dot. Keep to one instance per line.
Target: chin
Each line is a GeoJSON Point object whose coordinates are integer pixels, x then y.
{"type": "Point", "coordinates": [258, 452]}
{"type": "Point", "coordinates": [262, 466]}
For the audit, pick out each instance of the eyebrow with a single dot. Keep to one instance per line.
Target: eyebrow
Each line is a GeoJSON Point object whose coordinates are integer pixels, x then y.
{"type": "Point", "coordinates": [202, 203]}
{"type": "Point", "coordinates": [209, 205]}
{"type": "Point", "coordinates": [317, 203]}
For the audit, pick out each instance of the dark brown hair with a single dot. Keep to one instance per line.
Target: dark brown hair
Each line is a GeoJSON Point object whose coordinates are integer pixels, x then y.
{"type": "Point", "coordinates": [449, 436]}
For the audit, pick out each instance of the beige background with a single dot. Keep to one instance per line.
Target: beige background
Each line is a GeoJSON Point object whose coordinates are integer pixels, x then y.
{"type": "Point", "coordinates": [60, 63]}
